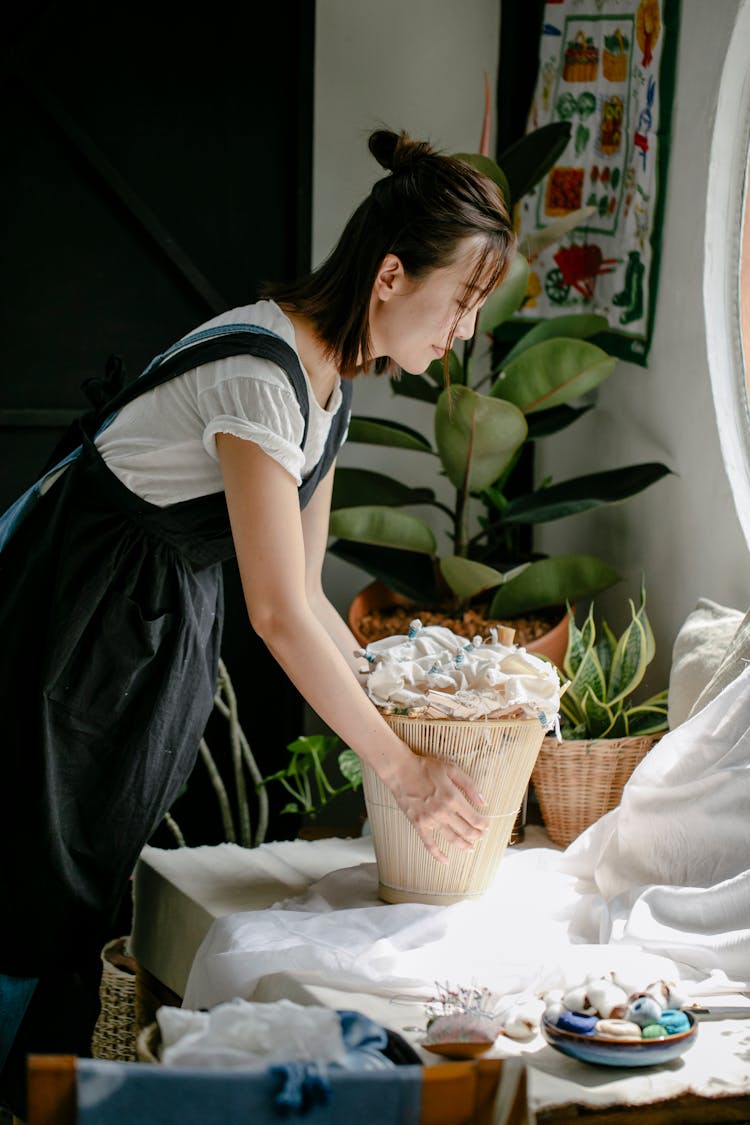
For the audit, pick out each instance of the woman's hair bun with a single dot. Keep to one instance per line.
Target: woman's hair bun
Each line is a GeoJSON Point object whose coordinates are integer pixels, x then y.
{"type": "Point", "coordinates": [397, 151]}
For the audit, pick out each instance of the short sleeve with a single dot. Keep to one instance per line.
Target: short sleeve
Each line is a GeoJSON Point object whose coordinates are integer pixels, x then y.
{"type": "Point", "coordinates": [252, 399]}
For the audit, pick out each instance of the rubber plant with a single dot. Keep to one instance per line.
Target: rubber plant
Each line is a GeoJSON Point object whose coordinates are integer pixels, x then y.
{"type": "Point", "coordinates": [480, 425]}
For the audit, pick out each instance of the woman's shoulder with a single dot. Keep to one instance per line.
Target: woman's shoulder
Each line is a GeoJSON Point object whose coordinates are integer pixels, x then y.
{"type": "Point", "coordinates": [263, 314]}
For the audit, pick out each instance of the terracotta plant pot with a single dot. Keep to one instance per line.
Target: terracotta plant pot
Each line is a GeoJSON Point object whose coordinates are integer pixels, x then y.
{"type": "Point", "coordinates": [378, 596]}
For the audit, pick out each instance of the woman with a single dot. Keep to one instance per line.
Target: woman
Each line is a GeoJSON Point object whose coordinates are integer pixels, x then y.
{"type": "Point", "coordinates": [112, 585]}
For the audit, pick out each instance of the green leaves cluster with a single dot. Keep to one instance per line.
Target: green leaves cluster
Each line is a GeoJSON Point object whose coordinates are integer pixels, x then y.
{"type": "Point", "coordinates": [603, 673]}
{"type": "Point", "coordinates": [305, 778]}
{"type": "Point", "coordinates": [479, 428]}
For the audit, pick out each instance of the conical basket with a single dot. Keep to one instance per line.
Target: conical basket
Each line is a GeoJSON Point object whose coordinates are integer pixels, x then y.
{"type": "Point", "coordinates": [499, 756]}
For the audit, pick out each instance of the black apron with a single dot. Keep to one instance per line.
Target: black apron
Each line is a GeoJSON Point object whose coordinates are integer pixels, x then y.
{"type": "Point", "coordinates": [110, 614]}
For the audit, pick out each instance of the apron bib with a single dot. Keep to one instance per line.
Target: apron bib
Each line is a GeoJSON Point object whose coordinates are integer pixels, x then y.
{"type": "Point", "coordinates": [111, 616]}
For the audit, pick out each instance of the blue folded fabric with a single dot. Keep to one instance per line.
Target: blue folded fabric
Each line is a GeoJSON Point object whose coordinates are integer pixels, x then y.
{"type": "Point", "coordinates": [15, 994]}
{"type": "Point", "coordinates": [124, 1093]}
{"type": "Point", "coordinates": [307, 1084]}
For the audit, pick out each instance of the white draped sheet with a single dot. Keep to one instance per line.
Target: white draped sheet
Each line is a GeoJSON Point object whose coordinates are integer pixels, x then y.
{"type": "Point", "coordinates": [658, 888]}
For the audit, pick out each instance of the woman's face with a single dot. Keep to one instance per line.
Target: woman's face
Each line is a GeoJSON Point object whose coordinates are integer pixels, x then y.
{"type": "Point", "coordinates": [411, 320]}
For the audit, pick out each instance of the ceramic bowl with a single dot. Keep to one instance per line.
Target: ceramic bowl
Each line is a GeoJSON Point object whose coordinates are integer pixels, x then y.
{"type": "Point", "coordinates": [620, 1052]}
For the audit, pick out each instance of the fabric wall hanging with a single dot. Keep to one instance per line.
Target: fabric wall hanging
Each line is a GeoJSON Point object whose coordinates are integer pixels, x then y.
{"type": "Point", "coordinates": [607, 67]}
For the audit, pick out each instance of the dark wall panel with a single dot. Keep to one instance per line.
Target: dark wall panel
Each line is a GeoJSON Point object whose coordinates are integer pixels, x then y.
{"type": "Point", "coordinates": [157, 167]}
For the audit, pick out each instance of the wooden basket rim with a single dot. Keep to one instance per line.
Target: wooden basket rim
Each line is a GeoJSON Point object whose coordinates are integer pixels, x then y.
{"type": "Point", "coordinates": [446, 722]}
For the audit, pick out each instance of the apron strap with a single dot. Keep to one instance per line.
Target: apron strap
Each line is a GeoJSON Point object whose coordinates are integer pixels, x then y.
{"type": "Point", "coordinates": [202, 347]}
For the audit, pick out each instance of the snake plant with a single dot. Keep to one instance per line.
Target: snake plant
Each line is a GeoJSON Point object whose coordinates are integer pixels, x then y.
{"type": "Point", "coordinates": [603, 672]}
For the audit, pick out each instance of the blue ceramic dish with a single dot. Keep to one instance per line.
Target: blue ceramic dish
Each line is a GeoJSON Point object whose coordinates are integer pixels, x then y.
{"type": "Point", "coordinates": [620, 1052]}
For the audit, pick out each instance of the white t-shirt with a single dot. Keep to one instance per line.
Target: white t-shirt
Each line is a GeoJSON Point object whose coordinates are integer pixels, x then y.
{"type": "Point", "coordinates": [162, 446]}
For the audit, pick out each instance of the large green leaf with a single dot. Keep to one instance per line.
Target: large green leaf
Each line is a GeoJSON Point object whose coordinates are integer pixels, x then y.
{"type": "Point", "coordinates": [649, 717]}
{"type": "Point", "coordinates": [537, 240]}
{"type": "Point", "coordinates": [588, 680]}
{"type": "Point", "coordinates": [383, 527]}
{"type": "Point", "coordinates": [475, 439]}
{"type": "Point", "coordinates": [600, 718]}
{"type": "Point", "coordinates": [606, 644]}
{"type": "Point", "coordinates": [507, 298]}
{"type": "Point", "coordinates": [415, 386]}
{"type": "Point", "coordinates": [489, 168]}
{"type": "Point", "coordinates": [574, 325]}
{"type": "Point", "coordinates": [579, 642]}
{"type": "Point", "coordinates": [467, 578]}
{"type": "Point", "coordinates": [351, 767]}
{"type": "Point", "coordinates": [580, 494]}
{"type": "Point", "coordinates": [643, 618]}
{"type": "Point", "coordinates": [629, 660]}
{"type": "Point", "coordinates": [555, 581]}
{"type": "Point", "coordinates": [406, 572]}
{"type": "Point", "coordinates": [553, 372]}
{"type": "Point", "coordinates": [361, 486]}
{"type": "Point", "coordinates": [531, 157]}
{"type": "Point", "coordinates": [379, 431]}
{"type": "Point", "coordinates": [436, 371]}
{"type": "Point", "coordinates": [546, 422]}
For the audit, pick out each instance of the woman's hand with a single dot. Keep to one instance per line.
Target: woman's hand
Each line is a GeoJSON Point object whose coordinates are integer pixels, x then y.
{"type": "Point", "coordinates": [433, 796]}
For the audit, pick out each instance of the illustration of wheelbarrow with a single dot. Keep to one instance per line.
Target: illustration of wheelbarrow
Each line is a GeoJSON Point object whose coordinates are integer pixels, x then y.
{"type": "Point", "coordinates": [578, 268]}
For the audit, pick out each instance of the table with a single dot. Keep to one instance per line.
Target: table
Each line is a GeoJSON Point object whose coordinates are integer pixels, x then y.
{"type": "Point", "coordinates": [178, 894]}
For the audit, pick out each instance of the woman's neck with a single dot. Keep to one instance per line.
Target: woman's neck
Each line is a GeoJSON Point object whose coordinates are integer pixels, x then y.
{"type": "Point", "coordinates": [322, 372]}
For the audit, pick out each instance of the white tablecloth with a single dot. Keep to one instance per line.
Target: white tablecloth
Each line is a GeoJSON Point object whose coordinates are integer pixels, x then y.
{"type": "Point", "coordinates": [317, 946]}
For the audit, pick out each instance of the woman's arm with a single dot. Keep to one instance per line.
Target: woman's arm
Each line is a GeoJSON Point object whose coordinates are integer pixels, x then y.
{"type": "Point", "coordinates": [267, 530]}
{"type": "Point", "coordinates": [315, 520]}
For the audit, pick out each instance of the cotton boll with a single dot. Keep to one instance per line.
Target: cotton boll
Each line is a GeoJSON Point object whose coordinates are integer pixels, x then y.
{"type": "Point", "coordinates": [659, 989]}
{"type": "Point", "coordinates": [553, 1004]}
{"type": "Point", "coordinates": [606, 997]}
{"type": "Point", "coordinates": [576, 999]}
{"type": "Point", "coordinates": [676, 996]}
{"type": "Point", "coordinates": [524, 1019]}
{"type": "Point", "coordinates": [553, 996]}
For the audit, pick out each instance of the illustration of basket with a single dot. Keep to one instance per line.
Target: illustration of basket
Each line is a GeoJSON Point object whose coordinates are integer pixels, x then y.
{"type": "Point", "coordinates": [615, 57]}
{"type": "Point", "coordinates": [610, 129]}
{"type": "Point", "coordinates": [581, 60]}
{"type": "Point", "coordinates": [499, 755]}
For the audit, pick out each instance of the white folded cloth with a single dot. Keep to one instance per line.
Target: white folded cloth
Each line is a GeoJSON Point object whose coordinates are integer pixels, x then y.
{"type": "Point", "coordinates": [240, 1033]}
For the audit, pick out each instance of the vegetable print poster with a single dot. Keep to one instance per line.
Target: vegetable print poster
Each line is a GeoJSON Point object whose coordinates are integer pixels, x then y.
{"type": "Point", "coordinates": [607, 68]}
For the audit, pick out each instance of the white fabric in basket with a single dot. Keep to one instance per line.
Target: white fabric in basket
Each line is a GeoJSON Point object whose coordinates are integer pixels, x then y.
{"type": "Point", "coordinates": [487, 679]}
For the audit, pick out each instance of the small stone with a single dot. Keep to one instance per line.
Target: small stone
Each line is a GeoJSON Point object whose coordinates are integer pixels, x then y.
{"type": "Point", "coordinates": [673, 1021]}
{"type": "Point", "coordinates": [578, 1022]}
{"type": "Point", "coordinates": [617, 1029]}
{"type": "Point", "coordinates": [643, 1010]}
{"type": "Point", "coordinates": [654, 1031]}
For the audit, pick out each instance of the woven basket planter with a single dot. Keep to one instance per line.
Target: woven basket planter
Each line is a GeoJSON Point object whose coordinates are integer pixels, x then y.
{"type": "Point", "coordinates": [498, 755]}
{"type": "Point", "coordinates": [576, 782]}
{"type": "Point", "coordinates": [114, 1034]}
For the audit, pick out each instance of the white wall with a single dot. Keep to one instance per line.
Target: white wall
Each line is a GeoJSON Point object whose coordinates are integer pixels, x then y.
{"type": "Point", "coordinates": [418, 64]}
{"type": "Point", "coordinates": [408, 64]}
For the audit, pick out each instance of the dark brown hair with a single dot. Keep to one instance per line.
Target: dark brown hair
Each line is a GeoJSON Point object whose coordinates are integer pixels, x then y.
{"type": "Point", "coordinates": [421, 212]}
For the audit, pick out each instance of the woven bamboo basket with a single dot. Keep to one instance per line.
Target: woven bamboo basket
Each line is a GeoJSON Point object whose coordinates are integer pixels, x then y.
{"type": "Point", "coordinates": [499, 756]}
{"type": "Point", "coordinates": [576, 782]}
{"type": "Point", "coordinates": [114, 1034]}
